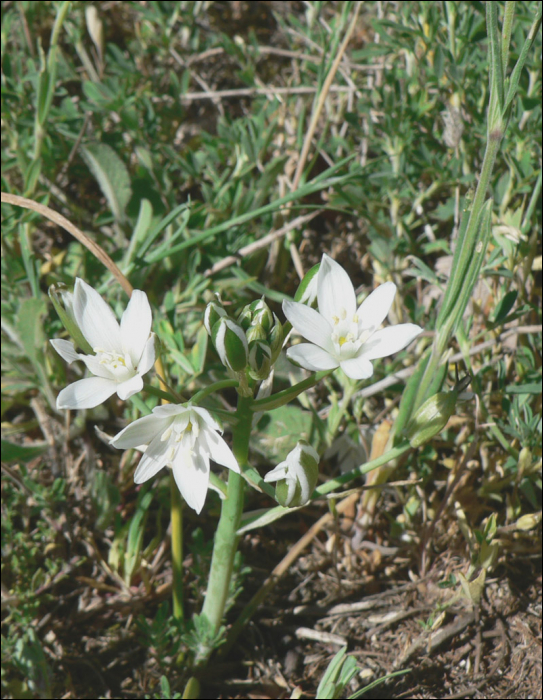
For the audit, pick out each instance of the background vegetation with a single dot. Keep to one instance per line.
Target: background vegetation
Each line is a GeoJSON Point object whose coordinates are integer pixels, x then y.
{"type": "Point", "coordinates": [170, 132]}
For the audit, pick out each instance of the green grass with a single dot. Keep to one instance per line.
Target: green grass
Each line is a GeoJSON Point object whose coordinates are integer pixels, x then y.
{"type": "Point", "coordinates": [169, 183]}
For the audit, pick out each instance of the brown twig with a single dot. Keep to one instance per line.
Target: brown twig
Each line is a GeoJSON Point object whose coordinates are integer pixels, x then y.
{"type": "Point", "coordinates": [61, 221]}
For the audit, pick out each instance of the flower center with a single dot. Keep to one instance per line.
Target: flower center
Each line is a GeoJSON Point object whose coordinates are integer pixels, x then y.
{"type": "Point", "coordinates": [345, 334]}
{"type": "Point", "coordinates": [118, 365]}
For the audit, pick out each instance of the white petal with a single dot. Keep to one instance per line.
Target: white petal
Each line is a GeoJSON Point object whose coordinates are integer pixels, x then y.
{"type": "Point", "coordinates": [335, 291]}
{"type": "Point", "coordinates": [66, 350]}
{"type": "Point", "coordinates": [389, 340]}
{"type": "Point", "coordinates": [375, 307]}
{"type": "Point", "coordinates": [98, 368]}
{"type": "Point", "coordinates": [219, 450]}
{"type": "Point", "coordinates": [191, 473]}
{"type": "Point", "coordinates": [310, 324]}
{"type": "Point", "coordinates": [86, 393]}
{"type": "Point", "coordinates": [280, 472]}
{"type": "Point", "coordinates": [207, 418]}
{"type": "Point", "coordinates": [140, 432]}
{"type": "Point", "coordinates": [154, 459]}
{"type": "Point", "coordinates": [148, 356]}
{"type": "Point", "coordinates": [95, 318]}
{"type": "Point", "coordinates": [136, 325]}
{"type": "Point", "coordinates": [170, 410]}
{"type": "Point", "coordinates": [312, 357]}
{"type": "Point", "coordinates": [127, 389]}
{"type": "Point", "coordinates": [357, 368]}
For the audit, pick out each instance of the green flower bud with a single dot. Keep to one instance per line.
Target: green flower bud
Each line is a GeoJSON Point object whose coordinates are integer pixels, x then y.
{"type": "Point", "coordinates": [213, 313]}
{"type": "Point", "coordinates": [259, 359]}
{"type": "Point", "coordinates": [258, 312]}
{"type": "Point", "coordinates": [63, 302]}
{"type": "Point", "coordinates": [255, 332]}
{"type": "Point", "coordinates": [296, 477]}
{"type": "Point", "coordinates": [275, 338]}
{"type": "Point", "coordinates": [231, 344]}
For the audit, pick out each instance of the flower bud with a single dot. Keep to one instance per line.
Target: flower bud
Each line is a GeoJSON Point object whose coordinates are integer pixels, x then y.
{"type": "Point", "coordinates": [259, 359]}
{"type": "Point", "coordinates": [230, 343]}
{"type": "Point", "coordinates": [213, 313]}
{"type": "Point", "coordinates": [275, 339]}
{"type": "Point", "coordinates": [296, 477]}
{"type": "Point", "coordinates": [63, 301]}
{"type": "Point", "coordinates": [255, 332]}
{"type": "Point", "coordinates": [258, 312]}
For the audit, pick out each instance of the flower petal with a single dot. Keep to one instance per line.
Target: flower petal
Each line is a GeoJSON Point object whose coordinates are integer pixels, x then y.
{"type": "Point", "coordinates": [170, 410]}
{"type": "Point", "coordinates": [86, 393]}
{"type": "Point", "coordinates": [127, 389]}
{"type": "Point", "coordinates": [207, 418]}
{"type": "Point", "coordinates": [100, 369]}
{"type": "Point", "coordinates": [141, 431]}
{"type": "Point", "coordinates": [66, 350]}
{"type": "Point", "coordinates": [312, 357]}
{"type": "Point", "coordinates": [357, 367]}
{"type": "Point", "coordinates": [154, 459]}
{"type": "Point", "coordinates": [219, 450]}
{"type": "Point", "coordinates": [95, 318]}
{"type": "Point", "coordinates": [335, 291]}
{"type": "Point", "coordinates": [280, 472]}
{"type": "Point", "coordinates": [310, 324]}
{"type": "Point", "coordinates": [375, 307]}
{"type": "Point", "coordinates": [136, 326]}
{"type": "Point", "coordinates": [191, 473]}
{"type": "Point", "coordinates": [389, 340]}
{"type": "Point", "coordinates": [147, 359]}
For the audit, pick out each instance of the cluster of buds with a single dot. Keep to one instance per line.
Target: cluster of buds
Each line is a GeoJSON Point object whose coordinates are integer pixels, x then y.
{"type": "Point", "coordinates": [252, 343]}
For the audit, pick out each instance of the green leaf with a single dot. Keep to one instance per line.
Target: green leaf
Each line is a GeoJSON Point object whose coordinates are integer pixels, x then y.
{"type": "Point", "coordinates": [112, 176]}
{"type": "Point", "coordinates": [504, 307]}
{"type": "Point", "coordinates": [30, 328]}
{"type": "Point", "coordinates": [21, 453]}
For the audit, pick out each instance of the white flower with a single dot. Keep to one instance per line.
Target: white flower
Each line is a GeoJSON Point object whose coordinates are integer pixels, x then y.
{"type": "Point", "coordinates": [342, 335]}
{"type": "Point", "coordinates": [183, 438]}
{"type": "Point", "coordinates": [123, 353]}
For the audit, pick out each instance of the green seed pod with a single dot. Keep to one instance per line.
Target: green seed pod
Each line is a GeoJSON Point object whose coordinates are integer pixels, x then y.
{"type": "Point", "coordinates": [431, 417]}
{"type": "Point", "coordinates": [231, 344]}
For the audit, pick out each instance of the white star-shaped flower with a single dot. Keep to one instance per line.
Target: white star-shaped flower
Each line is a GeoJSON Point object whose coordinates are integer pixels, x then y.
{"type": "Point", "coordinates": [184, 438]}
{"type": "Point", "coordinates": [123, 353]}
{"type": "Point", "coordinates": [340, 334]}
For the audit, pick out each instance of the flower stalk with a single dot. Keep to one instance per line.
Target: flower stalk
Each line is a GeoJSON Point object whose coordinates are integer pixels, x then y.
{"type": "Point", "coordinates": [226, 539]}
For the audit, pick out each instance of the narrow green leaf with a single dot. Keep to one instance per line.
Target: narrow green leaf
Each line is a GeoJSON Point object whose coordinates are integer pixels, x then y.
{"type": "Point", "coordinates": [112, 176]}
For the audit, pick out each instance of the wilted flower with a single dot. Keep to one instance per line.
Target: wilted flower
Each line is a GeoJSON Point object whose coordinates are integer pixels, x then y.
{"type": "Point", "coordinates": [342, 335]}
{"type": "Point", "coordinates": [184, 438]}
{"type": "Point", "coordinates": [123, 353]}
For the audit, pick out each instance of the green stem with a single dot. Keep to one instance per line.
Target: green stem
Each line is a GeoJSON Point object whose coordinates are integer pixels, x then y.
{"type": "Point", "coordinates": [226, 540]}
{"type": "Point", "coordinates": [212, 389]}
{"type": "Point", "coordinates": [177, 549]}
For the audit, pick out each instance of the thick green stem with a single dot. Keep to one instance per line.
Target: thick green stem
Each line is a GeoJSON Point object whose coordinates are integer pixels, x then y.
{"type": "Point", "coordinates": [226, 540]}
